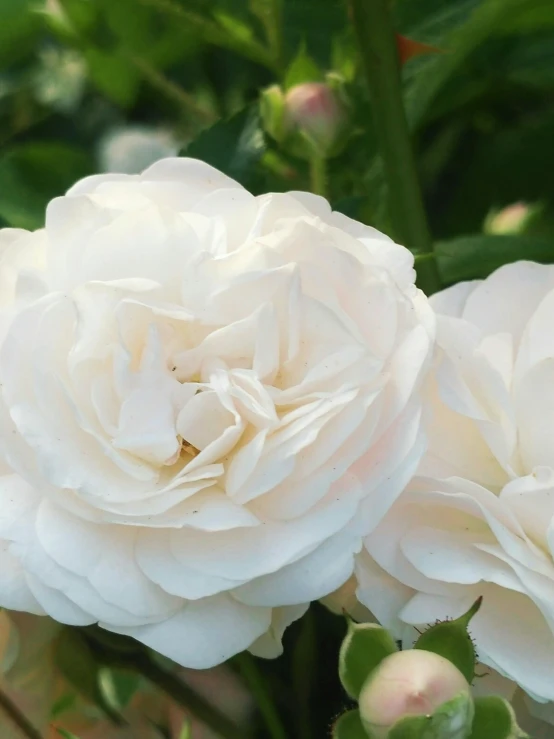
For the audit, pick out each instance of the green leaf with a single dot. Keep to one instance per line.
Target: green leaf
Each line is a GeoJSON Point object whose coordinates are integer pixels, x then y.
{"type": "Point", "coordinates": [82, 14]}
{"type": "Point", "coordinates": [234, 146]}
{"type": "Point", "coordinates": [530, 62]}
{"type": "Point", "coordinates": [133, 28]}
{"type": "Point", "coordinates": [505, 165]}
{"type": "Point", "coordinates": [302, 69]}
{"type": "Point", "coordinates": [34, 173]}
{"type": "Point", "coordinates": [62, 704]}
{"type": "Point", "coordinates": [235, 27]}
{"type": "Point", "coordinates": [142, 31]}
{"type": "Point", "coordinates": [77, 663]}
{"type": "Point", "coordinates": [19, 26]}
{"type": "Point", "coordinates": [218, 28]}
{"type": "Point", "coordinates": [351, 206]}
{"type": "Point", "coordinates": [451, 640]}
{"type": "Point", "coordinates": [113, 75]}
{"type": "Point", "coordinates": [495, 719]}
{"type": "Point", "coordinates": [535, 16]}
{"type": "Point", "coordinates": [118, 686]}
{"type": "Point", "coordinates": [66, 734]}
{"type": "Point", "coordinates": [363, 648]}
{"type": "Point", "coordinates": [430, 21]}
{"type": "Point", "coordinates": [349, 726]}
{"type": "Point", "coordinates": [185, 732]}
{"type": "Point", "coordinates": [489, 18]}
{"type": "Point", "coordinates": [475, 257]}
{"type": "Point", "coordinates": [268, 12]}
{"type": "Point", "coordinates": [314, 22]}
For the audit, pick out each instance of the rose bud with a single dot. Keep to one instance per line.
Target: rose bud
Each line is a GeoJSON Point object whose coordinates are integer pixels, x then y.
{"type": "Point", "coordinates": [416, 683]}
{"type": "Point", "coordinates": [511, 220]}
{"type": "Point", "coordinates": [316, 111]}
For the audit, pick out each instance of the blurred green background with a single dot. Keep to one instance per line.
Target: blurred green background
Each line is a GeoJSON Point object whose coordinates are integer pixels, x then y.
{"type": "Point", "coordinates": [92, 85]}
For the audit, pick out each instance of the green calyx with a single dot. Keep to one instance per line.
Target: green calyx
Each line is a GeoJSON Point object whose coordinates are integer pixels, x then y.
{"type": "Point", "coordinates": [451, 640]}
{"type": "Point", "coordinates": [362, 650]}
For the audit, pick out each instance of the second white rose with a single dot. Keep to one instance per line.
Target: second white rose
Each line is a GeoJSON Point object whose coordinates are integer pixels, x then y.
{"type": "Point", "coordinates": [478, 520]}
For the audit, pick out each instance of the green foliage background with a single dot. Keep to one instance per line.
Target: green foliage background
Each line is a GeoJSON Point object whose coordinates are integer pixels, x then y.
{"type": "Point", "coordinates": [481, 113]}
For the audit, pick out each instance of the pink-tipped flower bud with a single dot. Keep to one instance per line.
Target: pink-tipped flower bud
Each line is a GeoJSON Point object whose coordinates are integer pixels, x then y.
{"type": "Point", "coordinates": [510, 220]}
{"type": "Point", "coordinates": [416, 683]}
{"type": "Point", "coordinates": [315, 110]}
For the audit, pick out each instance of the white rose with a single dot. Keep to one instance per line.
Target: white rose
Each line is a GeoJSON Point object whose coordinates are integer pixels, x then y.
{"type": "Point", "coordinates": [479, 518]}
{"type": "Point", "coordinates": [206, 398]}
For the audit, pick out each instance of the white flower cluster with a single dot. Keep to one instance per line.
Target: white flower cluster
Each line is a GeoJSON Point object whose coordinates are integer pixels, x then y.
{"type": "Point", "coordinates": [217, 407]}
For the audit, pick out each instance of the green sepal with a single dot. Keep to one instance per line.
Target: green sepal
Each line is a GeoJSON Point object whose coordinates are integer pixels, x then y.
{"type": "Point", "coordinates": [363, 648]}
{"type": "Point", "coordinates": [349, 726]}
{"type": "Point", "coordinates": [451, 640]}
{"type": "Point", "coordinates": [452, 720]}
{"type": "Point", "coordinates": [411, 727]}
{"type": "Point", "coordinates": [302, 69]}
{"type": "Point", "coordinates": [495, 719]}
{"type": "Point", "coordinates": [273, 112]}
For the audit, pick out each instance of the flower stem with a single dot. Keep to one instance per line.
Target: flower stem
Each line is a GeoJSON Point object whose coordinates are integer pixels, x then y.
{"type": "Point", "coordinates": [379, 54]}
{"type": "Point", "coordinates": [304, 666]}
{"type": "Point", "coordinates": [255, 682]}
{"type": "Point", "coordinates": [185, 696]}
{"type": "Point", "coordinates": [26, 729]}
{"type": "Point", "coordinates": [318, 175]}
